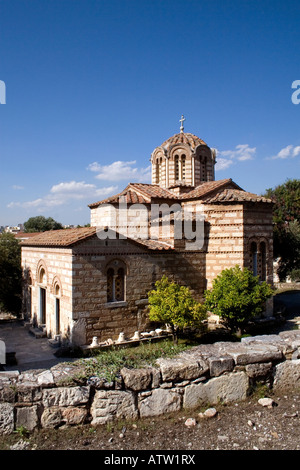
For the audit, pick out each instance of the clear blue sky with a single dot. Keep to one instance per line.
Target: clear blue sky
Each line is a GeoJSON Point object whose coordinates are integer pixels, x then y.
{"type": "Point", "coordinates": [93, 86]}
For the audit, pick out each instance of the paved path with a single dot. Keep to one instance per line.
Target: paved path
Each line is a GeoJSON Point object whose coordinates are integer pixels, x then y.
{"type": "Point", "coordinates": [31, 353]}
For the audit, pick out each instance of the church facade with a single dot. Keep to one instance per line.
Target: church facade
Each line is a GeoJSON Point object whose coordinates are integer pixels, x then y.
{"type": "Point", "coordinates": [93, 281]}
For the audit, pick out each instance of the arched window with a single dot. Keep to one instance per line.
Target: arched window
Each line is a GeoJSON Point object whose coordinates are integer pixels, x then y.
{"type": "Point", "coordinates": [203, 170]}
{"type": "Point", "coordinates": [263, 261]}
{"type": "Point", "coordinates": [183, 167]}
{"type": "Point", "coordinates": [253, 260]}
{"type": "Point", "coordinates": [258, 259]}
{"type": "Point", "coordinates": [42, 278]}
{"type": "Point", "coordinates": [115, 275]}
{"type": "Point", "coordinates": [157, 171]}
{"type": "Point", "coordinates": [176, 163]}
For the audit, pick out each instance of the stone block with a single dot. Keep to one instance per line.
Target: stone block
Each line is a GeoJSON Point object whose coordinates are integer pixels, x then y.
{"type": "Point", "coordinates": [227, 388]}
{"type": "Point", "coordinates": [6, 418]}
{"type": "Point", "coordinates": [28, 417]}
{"type": "Point", "coordinates": [287, 376]}
{"type": "Point", "coordinates": [63, 396]}
{"type": "Point", "coordinates": [113, 404]}
{"type": "Point", "coordinates": [72, 415]}
{"type": "Point", "coordinates": [136, 379]}
{"type": "Point", "coordinates": [160, 401]}
{"type": "Point", "coordinates": [244, 353]}
{"type": "Point", "coordinates": [258, 370]}
{"type": "Point", "coordinates": [182, 368]}
{"type": "Point", "coordinates": [51, 418]}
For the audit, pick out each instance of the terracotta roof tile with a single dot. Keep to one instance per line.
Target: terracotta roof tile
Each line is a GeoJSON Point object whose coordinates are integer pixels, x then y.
{"type": "Point", "coordinates": [64, 238]}
{"type": "Point", "coordinates": [183, 138]}
{"type": "Point", "coordinates": [235, 195]}
{"type": "Point", "coordinates": [69, 237]}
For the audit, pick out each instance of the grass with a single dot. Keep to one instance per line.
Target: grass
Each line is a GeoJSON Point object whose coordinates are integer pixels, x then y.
{"type": "Point", "coordinates": [107, 364]}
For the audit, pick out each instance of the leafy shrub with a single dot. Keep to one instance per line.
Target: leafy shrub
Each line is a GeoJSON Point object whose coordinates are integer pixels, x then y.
{"type": "Point", "coordinates": [173, 304]}
{"type": "Point", "coordinates": [237, 296]}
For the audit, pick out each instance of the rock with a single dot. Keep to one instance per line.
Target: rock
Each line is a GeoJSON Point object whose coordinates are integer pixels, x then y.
{"type": "Point", "coordinates": [51, 418]}
{"type": "Point", "coordinates": [63, 396]}
{"type": "Point", "coordinates": [27, 417]}
{"type": "Point", "coordinates": [20, 445]}
{"type": "Point", "coordinates": [74, 415]}
{"type": "Point", "coordinates": [267, 402]}
{"type": "Point", "coordinates": [259, 370]}
{"type": "Point", "coordinates": [136, 379]}
{"type": "Point", "coordinates": [248, 353]}
{"type": "Point", "coordinates": [113, 404]}
{"type": "Point", "coordinates": [226, 388]}
{"type": "Point", "coordinates": [6, 418]}
{"type": "Point", "coordinates": [161, 401]}
{"type": "Point", "coordinates": [183, 367]}
{"type": "Point", "coordinates": [190, 422]}
{"type": "Point", "coordinates": [210, 413]}
{"type": "Point", "coordinates": [287, 376]}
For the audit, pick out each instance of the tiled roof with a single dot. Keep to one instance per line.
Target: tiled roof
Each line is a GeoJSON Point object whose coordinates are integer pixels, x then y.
{"type": "Point", "coordinates": [235, 195]}
{"type": "Point", "coordinates": [69, 237]}
{"type": "Point", "coordinates": [137, 193]}
{"type": "Point", "coordinates": [183, 138]}
{"type": "Point", "coordinates": [64, 238]}
{"type": "Point", "coordinates": [208, 187]}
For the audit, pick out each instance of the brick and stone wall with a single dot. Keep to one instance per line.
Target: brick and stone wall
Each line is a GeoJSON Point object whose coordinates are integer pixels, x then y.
{"type": "Point", "coordinates": [206, 374]}
{"type": "Point", "coordinates": [57, 264]}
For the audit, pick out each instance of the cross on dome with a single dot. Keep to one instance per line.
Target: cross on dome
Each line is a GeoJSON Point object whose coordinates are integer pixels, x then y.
{"type": "Point", "coordinates": [182, 121]}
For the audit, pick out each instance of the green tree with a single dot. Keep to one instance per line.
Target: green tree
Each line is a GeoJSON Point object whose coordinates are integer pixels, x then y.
{"type": "Point", "coordinates": [173, 304]}
{"type": "Point", "coordinates": [10, 274]}
{"type": "Point", "coordinates": [41, 224]}
{"type": "Point", "coordinates": [286, 219]}
{"type": "Point", "coordinates": [237, 296]}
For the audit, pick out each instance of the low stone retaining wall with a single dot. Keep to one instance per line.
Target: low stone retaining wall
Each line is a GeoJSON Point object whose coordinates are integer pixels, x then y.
{"type": "Point", "coordinates": [206, 374]}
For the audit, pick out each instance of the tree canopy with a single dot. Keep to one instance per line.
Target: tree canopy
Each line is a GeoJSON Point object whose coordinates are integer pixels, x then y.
{"type": "Point", "coordinates": [173, 304]}
{"type": "Point", "coordinates": [41, 224]}
{"type": "Point", "coordinates": [237, 296]}
{"type": "Point", "coordinates": [10, 274]}
{"type": "Point", "coordinates": [286, 219]}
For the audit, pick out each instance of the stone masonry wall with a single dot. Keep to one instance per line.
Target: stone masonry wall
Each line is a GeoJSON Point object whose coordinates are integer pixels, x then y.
{"type": "Point", "coordinates": [95, 316]}
{"type": "Point", "coordinates": [206, 374]}
{"type": "Point", "coordinates": [225, 239]}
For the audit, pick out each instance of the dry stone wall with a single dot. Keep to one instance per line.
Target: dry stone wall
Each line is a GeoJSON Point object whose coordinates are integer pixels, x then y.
{"type": "Point", "coordinates": [206, 374]}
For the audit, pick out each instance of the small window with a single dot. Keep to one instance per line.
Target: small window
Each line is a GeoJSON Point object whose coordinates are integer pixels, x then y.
{"type": "Point", "coordinates": [263, 261]}
{"type": "Point", "coordinates": [115, 283]}
{"type": "Point", "coordinates": [253, 254]}
{"type": "Point", "coordinates": [176, 167]}
{"type": "Point", "coordinates": [183, 167]}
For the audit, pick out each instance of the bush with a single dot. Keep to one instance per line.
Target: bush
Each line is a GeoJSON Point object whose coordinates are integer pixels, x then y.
{"type": "Point", "coordinates": [173, 304]}
{"type": "Point", "coordinates": [237, 296]}
{"type": "Point", "coordinates": [295, 275]}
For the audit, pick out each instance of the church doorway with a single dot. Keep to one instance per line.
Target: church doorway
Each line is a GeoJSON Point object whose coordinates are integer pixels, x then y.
{"type": "Point", "coordinates": [57, 316]}
{"type": "Point", "coordinates": [43, 305]}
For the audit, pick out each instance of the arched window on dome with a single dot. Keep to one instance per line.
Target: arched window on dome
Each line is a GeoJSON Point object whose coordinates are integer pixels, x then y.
{"type": "Point", "coordinates": [176, 163]}
{"type": "Point", "coordinates": [203, 169]}
{"type": "Point", "coordinates": [183, 161]}
{"type": "Point", "coordinates": [157, 179]}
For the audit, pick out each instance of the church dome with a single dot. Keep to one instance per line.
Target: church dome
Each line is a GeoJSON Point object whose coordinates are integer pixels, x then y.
{"type": "Point", "coordinates": [183, 138]}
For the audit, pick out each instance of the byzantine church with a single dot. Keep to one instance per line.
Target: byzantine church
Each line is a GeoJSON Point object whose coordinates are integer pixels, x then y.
{"type": "Point", "coordinates": [92, 282]}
